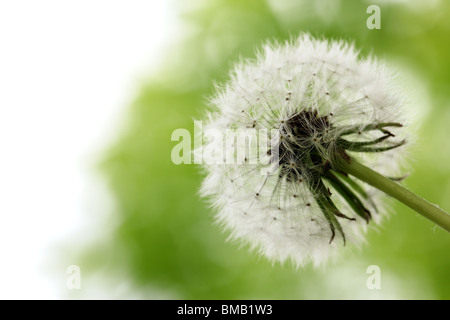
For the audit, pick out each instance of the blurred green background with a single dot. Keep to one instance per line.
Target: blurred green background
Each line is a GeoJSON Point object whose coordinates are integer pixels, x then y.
{"type": "Point", "coordinates": [164, 241]}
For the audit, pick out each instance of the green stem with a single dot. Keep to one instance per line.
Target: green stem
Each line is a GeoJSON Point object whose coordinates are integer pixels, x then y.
{"type": "Point", "coordinates": [420, 205]}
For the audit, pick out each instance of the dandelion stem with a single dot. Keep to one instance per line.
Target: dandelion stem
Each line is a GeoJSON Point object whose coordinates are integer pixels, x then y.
{"type": "Point", "coordinates": [395, 190]}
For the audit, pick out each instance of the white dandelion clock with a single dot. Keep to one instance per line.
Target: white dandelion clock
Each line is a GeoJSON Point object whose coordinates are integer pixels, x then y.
{"type": "Point", "coordinates": [326, 113]}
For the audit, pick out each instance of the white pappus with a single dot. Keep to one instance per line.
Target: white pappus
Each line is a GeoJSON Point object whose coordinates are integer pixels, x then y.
{"type": "Point", "coordinates": [327, 104]}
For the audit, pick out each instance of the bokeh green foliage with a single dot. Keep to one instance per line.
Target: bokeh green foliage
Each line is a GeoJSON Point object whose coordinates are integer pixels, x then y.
{"type": "Point", "coordinates": [166, 239]}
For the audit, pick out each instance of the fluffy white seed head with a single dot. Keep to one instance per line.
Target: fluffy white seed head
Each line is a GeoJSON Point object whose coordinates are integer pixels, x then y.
{"type": "Point", "coordinates": [322, 99]}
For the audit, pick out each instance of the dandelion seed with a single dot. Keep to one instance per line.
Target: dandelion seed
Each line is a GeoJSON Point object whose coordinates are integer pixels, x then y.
{"type": "Point", "coordinates": [327, 124]}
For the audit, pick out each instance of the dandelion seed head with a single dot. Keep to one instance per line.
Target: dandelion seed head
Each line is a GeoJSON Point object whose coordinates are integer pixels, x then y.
{"type": "Point", "coordinates": [323, 100]}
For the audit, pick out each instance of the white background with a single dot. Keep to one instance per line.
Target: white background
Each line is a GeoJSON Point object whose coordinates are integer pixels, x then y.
{"type": "Point", "coordinates": [68, 70]}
